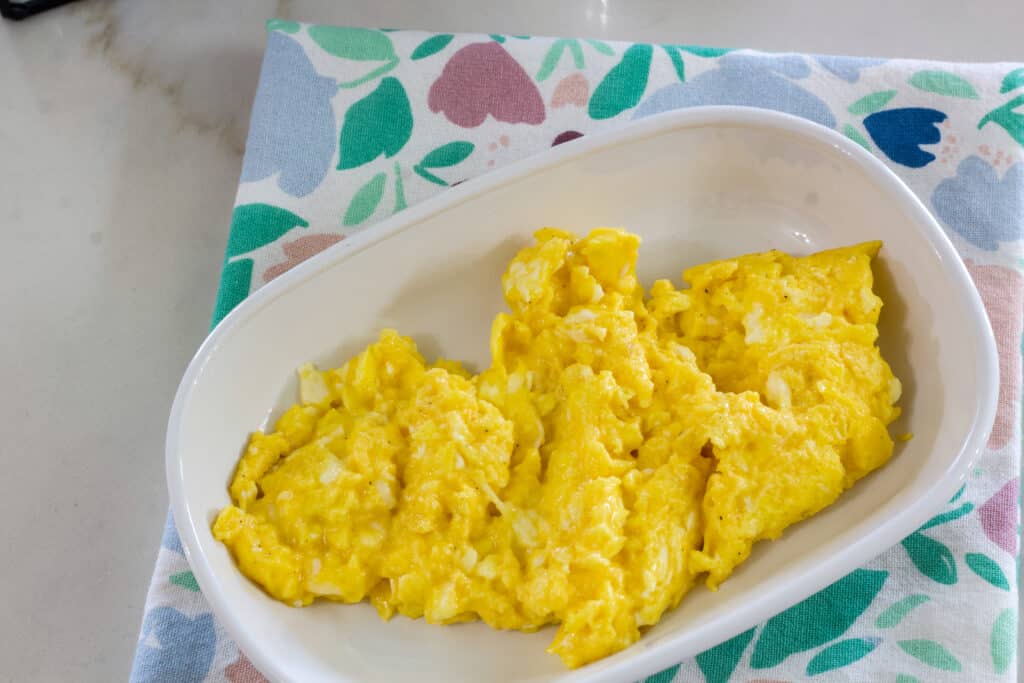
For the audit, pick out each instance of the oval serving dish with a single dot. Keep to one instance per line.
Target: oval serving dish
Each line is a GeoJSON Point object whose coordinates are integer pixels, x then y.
{"type": "Point", "coordinates": [696, 185]}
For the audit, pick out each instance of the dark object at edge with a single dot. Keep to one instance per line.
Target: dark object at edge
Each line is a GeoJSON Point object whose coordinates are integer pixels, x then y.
{"type": "Point", "coordinates": [22, 10]}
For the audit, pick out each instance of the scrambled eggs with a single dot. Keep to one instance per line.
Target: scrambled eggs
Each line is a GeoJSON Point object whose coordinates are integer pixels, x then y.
{"type": "Point", "coordinates": [617, 448]}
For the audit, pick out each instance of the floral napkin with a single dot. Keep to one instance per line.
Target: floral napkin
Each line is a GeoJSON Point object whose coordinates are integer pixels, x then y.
{"type": "Point", "coordinates": [351, 125]}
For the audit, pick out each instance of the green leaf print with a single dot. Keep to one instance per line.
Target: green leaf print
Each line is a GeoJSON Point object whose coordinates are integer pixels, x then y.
{"type": "Point", "coordinates": [852, 133]}
{"type": "Point", "coordinates": [577, 53]}
{"type": "Point", "coordinates": [235, 280]}
{"type": "Point", "coordinates": [186, 580]}
{"type": "Point", "coordinates": [624, 85]}
{"type": "Point", "coordinates": [447, 155]}
{"type": "Point", "coordinates": [497, 37]}
{"type": "Point", "coordinates": [986, 568]}
{"type": "Point", "coordinates": [665, 676]}
{"type": "Point", "coordinates": [358, 44]}
{"type": "Point", "coordinates": [824, 616]}
{"type": "Point", "coordinates": [601, 46]}
{"type": "Point", "coordinates": [283, 25]}
{"type": "Point", "coordinates": [943, 83]}
{"type": "Point", "coordinates": [1013, 80]}
{"type": "Point", "coordinates": [365, 200]}
{"type": "Point", "coordinates": [945, 517]}
{"type": "Point", "coordinates": [432, 45]}
{"type": "Point", "coordinates": [254, 225]}
{"type": "Point", "coordinates": [841, 654]}
{"type": "Point", "coordinates": [677, 61]}
{"type": "Point", "coordinates": [1011, 121]}
{"type": "Point", "coordinates": [906, 678]}
{"type": "Point", "coordinates": [706, 51]}
{"type": "Point", "coordinates": [931, 653]}
{"type": "Point", "coordinates": [869, 104]}
{"type": "Point", "coordinates": [1004, 640]}
{"type": "Point", "coordinates": [959, 492]}
{"type": "Point", "coordinates": [380, 123]}
{"type": "Point", "coordinates": [718, 663]}
{"type": "Point", "coordinates": [427, 175]}
{"type": "Point", "coordinates": [399, 190]}
{"type": "Point", "coordinates": [894, 613]}
{"type": "Point", "coordinates": [554, 53]}
{"type": "Point", "coordinates": [931, 558]}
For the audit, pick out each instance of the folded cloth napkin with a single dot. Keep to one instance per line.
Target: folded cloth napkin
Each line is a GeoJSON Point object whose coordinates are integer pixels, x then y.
{"type": "Point", "coordinates": [351, 125]}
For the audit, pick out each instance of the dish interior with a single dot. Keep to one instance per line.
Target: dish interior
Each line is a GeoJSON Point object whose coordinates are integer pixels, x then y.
{"type": "Point", "coordinates": [694, 193]}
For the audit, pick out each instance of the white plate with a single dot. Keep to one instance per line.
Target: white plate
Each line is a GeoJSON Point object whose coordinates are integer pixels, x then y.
{"type": "Point", "coordinates": [696, 185]}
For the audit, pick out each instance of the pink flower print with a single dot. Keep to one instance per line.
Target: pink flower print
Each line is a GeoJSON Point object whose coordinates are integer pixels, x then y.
{"type": "Point", "coordinates": [298, 251]}
{"type": "Point", "coordinates": [482, 79]}
{"type": "Point", "coordinates": [1002, 291]}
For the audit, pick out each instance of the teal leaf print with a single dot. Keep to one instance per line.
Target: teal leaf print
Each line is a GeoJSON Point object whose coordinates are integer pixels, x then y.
{"type": "Point", "coordinates": [931, 653]}
{"type": "Point", "coordinates": [447, 155]}
{"type": "Point", "coordinates": [254, 225]}
{"type": "Point", "coordinates": [986, 568]}
{"type": "Point", "coordinates": [185, 579]}
{"type": "Point", "coordinates": [380, 123]}
{"type": "Point", "coordinates": [906, 678]}
{"type": "Point", "coordinates": [399, 189]}
{"type": "Point", "coordinates": [497, 37]}
{"type": "Point", "coordinates": [432, 45]}
{"type": "Point", "coordinates": [718, 663]}
{"type": "Point", "coordinates": [852, 133]}
{"type": "Point", "coordinates": [665, 676]}
{"type": "Point", "coordinates": [1013, 80]}
{"type": "Point", "coordinates": [959, 492]}
{"type": "Point", "coordinates": [554, 53]}
{"type": "Point", "coordinates": [824, 616]}
{"type": "Point", "coordinates": [894, 613]}
{"type": "Point", "coordinates": [624, 85]}
{"type": "Point", "coordinates": [1004, 640]}
{"type": "Point", "coordinates": [427, 175]}
{"type": "Point", "coordinates": [365, 200]}
{"type": "Point", "coordinates": [931, 558]}
{"type": "Point", "coordinates": [945, 517]}
{"type": "Point", "coordinates": [708, 52]}
{"type": "Point", "coordinates": [1009, 120]}
{"type": "Point", "coordinates": [359, 44]}
{"type": "Point", "coordinates": [841, 654]}
{"type": "Point", "coordinates": [601, 46]}
{"type": "Point", "coordinates": [283, 25]}
{"type": "Point", "coordinates": [677, 60]}
{"type": "Point", "coordinates": [943, 83]}
{"type": "Point", "coordinates": [577, 53]}
{"type": "Point", "coordinates": [869, 104]}
{"type": "Point", "coordinates": [235, 280]}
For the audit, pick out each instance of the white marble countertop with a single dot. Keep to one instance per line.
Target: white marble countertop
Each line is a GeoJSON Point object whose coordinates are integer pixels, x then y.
{"type": "Point", "coordinates": [122, 126]}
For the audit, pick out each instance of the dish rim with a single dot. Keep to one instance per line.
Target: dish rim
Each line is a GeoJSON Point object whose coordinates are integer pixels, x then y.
{"type": "Point", "coordinates": [761, 607]}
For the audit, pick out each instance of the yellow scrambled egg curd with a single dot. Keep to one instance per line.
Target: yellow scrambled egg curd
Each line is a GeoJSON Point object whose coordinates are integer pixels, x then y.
{"type": "Point", "coordinates": [618, 447]}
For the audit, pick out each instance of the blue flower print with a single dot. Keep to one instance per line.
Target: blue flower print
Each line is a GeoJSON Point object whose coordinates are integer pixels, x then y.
{"type": "Point", "coordinates": [847, 68]}
{"type": "Point", "coordinates": [899, 133]}
{"type": "Point", "coordinates": [979, 206]}
{"type": "Point", "coordinates": [173, 647]}
{"type": "Point", "coordinates": [746, 79]}
{"type": "Point", "coordinates": [292, 129]}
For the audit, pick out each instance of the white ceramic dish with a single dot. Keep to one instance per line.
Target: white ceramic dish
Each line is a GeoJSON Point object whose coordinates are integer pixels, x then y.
{"type": "Point", "coordinates": [696, 185]}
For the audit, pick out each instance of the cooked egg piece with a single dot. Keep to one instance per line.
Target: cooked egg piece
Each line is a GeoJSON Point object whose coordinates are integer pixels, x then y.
{"type": "Point", "coordinates": [617, 449]}
{"type": "Point", "coordinates": [794, 338]}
